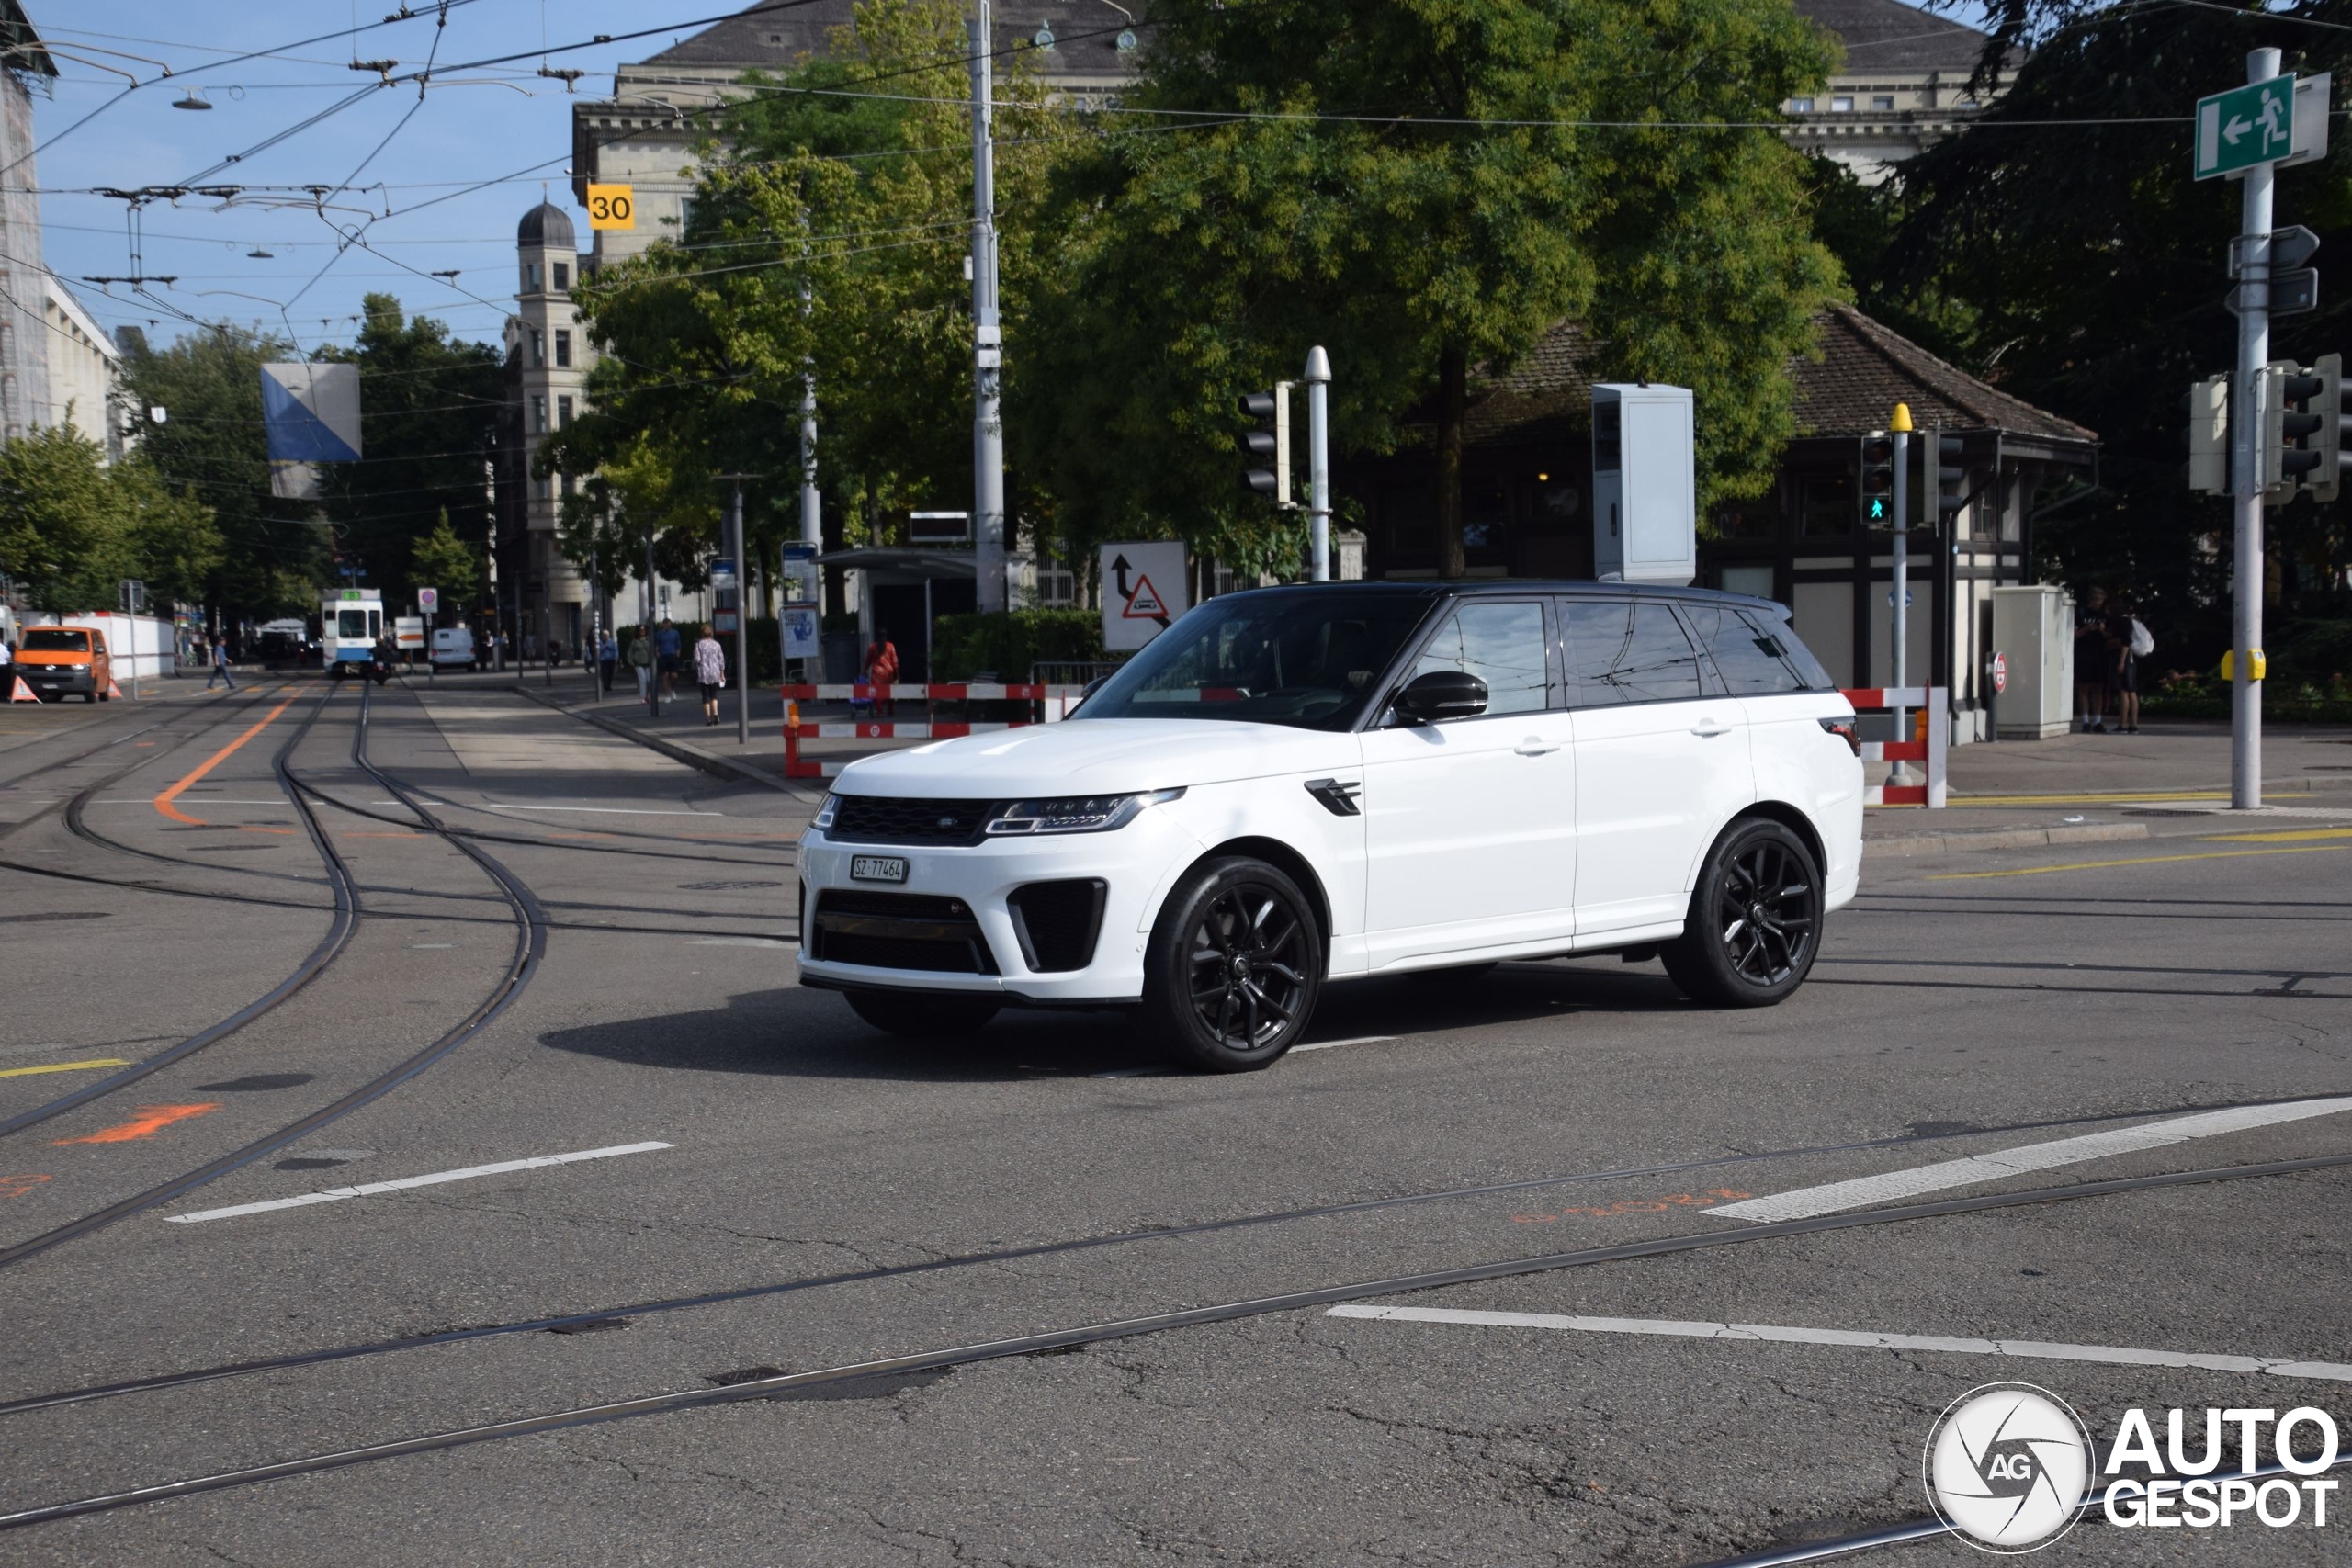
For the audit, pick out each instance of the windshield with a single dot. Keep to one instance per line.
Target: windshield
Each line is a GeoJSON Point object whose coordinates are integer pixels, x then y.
{"type": "Point", "coordinates": [352, 624]}
{"type": "Point", "coordinates": [1306, 656]}
{"type": "Point", "coordinates": [57, 642]}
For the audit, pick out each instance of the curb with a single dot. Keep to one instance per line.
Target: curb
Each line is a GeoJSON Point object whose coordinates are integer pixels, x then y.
{"type": "Point", "coordinates": [710, 762]}
{"type": "Point", "coordinates": [2003, 839]}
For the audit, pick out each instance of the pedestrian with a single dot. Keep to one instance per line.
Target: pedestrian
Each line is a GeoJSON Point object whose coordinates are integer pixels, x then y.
{"type": "Point", "coordinates": [2093, 661]}
{"type": "Point", "coordinates": [666, 657]}
{"type": "Point", "coordinates": [881, 668]}
{"type": "Point", "coordinates": [220, 668]}
{"type": "Point", "coordinates": [608, 654]}
{"type": "Point", "coordinates": [710, 673]}
{"type": "Point", "coordinates": [640, 659]}
{"type": "Point", "coordinates": [2137, 644]}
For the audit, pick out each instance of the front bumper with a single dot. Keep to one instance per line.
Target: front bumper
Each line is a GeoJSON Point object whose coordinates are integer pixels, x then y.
{"type": "Point", "coordinates": [57, 679]}
{"type": "Point", "coordinates": [1135, 863]}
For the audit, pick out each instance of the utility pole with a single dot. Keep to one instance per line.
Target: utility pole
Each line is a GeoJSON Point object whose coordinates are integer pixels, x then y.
{"type": "Point", "coordinates": [1901, 426]}
{"type": "Point", "coordinates": [2246, 464]}
{"type": "Point", "coordinates": [742, 616]}
{"type": "Point", "coordinates": [489, 489]}
{"type": "Point", "coordinates": [988, 338]}
{"type": "Point", "coordinates": [1318, 461]}
{"type": "Point", "coordinates": [653, 686]}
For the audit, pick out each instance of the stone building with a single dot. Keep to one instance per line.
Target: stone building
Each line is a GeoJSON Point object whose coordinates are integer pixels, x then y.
{"type": "Point", "coordinates": [1901, 87]}
{"type": "Point", "coordinates": [546, 372]}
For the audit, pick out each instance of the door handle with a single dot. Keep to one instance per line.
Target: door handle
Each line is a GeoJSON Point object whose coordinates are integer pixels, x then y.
{"type": "Point", "coordinates": [1534, 746]}
{"type": "Point", "coordinates": [1710, 728]}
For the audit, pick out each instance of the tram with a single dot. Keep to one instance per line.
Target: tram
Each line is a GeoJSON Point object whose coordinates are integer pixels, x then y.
{"type": "Point", "coordinates": [351, 620]}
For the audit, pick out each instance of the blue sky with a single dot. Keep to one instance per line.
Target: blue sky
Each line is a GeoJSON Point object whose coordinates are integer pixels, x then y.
{"type": "Point", "coordinates": [488, 122]}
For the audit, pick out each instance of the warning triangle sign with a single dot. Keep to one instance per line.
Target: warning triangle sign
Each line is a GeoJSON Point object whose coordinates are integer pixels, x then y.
{"type": "Point", "coordinates": [1144, 604]}
{"type": "Point", "coordinates": [21, 693]}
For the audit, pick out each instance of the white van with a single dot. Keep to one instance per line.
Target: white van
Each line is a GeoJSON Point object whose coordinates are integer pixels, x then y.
{"type": "Point", "coordinates": [453, 649]}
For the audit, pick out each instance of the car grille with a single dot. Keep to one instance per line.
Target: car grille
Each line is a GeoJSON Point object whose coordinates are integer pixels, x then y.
{"type": "Point", "coordinates": [1058, 922]}
{"type": "Point", "coordinates": [885, 820]}
{"type": "Point", "coordinates": [898, 930]}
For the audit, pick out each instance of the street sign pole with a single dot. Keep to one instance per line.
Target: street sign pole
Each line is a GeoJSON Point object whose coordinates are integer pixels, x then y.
{"type": "Point", "coordinates": [1319, 461]}
{"type": "Point", "coordinates": [1901, 618]}
{"type": "Point", "coordinates": [988, 336]}
{"type": "Point", "coordinates": [2245, 463]}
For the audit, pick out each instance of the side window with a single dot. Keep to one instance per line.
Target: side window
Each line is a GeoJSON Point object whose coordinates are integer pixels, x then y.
{"type": "Point", "coordinates": [1627, 652]}
{"type": "Point", "coordinates": [1503, 644]}
{"type": "Point", "coordinates": [1811, 676]}
{"type": "Point", "coordinates": [1751, 662]}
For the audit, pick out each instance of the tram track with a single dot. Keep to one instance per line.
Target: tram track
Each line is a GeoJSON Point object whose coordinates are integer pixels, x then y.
{"type": "Point", "coordinates": [530, 945]}
{"type": "Point", "coordinates": [1054, 1341]}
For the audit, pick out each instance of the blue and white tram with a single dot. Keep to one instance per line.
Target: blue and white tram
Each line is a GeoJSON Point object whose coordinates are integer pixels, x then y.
{"type": "Point", "coordinates": [351, 620]}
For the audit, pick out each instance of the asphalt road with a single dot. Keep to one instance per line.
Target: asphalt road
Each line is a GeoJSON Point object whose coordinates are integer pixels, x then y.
{"type": "Point", "coordinates": [607, 974]}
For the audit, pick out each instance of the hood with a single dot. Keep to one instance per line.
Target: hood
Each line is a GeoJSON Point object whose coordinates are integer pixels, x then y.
{"type": "Point", "coordinates": [53, 656]}
{"type": "Point", "coordinates": [1106, 756]}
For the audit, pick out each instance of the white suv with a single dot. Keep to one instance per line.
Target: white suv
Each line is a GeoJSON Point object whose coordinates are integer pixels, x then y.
{"type": "Point", "coordinates": [1303, 785]}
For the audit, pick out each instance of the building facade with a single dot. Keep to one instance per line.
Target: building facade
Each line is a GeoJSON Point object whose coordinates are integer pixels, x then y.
{"type": "Point", "coordinates": [25, 69]}
{"type": "Point", "coordinates": [84, 374]}
{"type": "Point", "coordinates": [547, 376]}
{"type": "Point", "coordinates": [1903, 83]}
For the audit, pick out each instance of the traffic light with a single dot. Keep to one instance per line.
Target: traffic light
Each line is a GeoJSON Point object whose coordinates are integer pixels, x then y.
{"type": "Point", "coordinates": [2209, 435]}
{"type": "Point", "coordinates": [1946, 480]}
{"type": "Point", "coordinates": [2291, 426]}
{"type": "Point", "coordinates": [1878, 479]}
{"type": "Point", "coordinates": [2328, 478]}
{"type": "Point", "coordinates": [1269, 444]}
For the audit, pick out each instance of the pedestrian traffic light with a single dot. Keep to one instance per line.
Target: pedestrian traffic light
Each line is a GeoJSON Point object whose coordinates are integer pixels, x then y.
{"type": "Point", "coordinates": [1269, 444]}
{"type": "Point", "coordinates": [2292, 425]}
{"type": "Point", "coordinates": [2209, 435]}
{"type": "Point", "coordinates": [1878, 479]}
{"type": "Point", "coordinates": [1946, 480]}
{"type": "Point", "coordinates": [2328, 478]}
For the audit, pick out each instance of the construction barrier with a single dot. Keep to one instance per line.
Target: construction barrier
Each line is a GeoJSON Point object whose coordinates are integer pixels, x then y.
{"type": "Point", "coordinates": [1056, 700]}
{"type": "Point", "coordinates": [1932, 732]}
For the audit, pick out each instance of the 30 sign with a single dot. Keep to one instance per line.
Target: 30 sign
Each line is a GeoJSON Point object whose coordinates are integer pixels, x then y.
{"type": "Point", "coordinates": [612, 207]}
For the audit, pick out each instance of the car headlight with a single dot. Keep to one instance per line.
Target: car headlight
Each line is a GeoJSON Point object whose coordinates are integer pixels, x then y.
{"type": "Point", "coordinates": [825, 813]}
{"type": "Point", "coordinates": [1075, 814]}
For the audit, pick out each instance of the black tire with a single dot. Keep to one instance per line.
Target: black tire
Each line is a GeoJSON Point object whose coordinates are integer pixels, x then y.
{"type": "Point", "coordinates": [921, 1018]}
{"type": "Point", "coordinates": [91, 696]}
{"type": "Point", "coordinates": [1755, 921]}
{"type": "Point", "coordinates": [1234, 966]}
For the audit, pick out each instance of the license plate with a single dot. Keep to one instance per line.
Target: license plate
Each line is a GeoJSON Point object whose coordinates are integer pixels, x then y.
{"type": "Point", "coordinates": [877, 868]}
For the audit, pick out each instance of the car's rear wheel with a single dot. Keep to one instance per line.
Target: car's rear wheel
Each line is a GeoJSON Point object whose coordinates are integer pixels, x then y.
{"type": "Point", "coordinates": [90, 697]}
{"type": "Point", "coordinates": [1755, 920]}
{"type": "Point", "coordinates": [1234, 966]}
{"type": "Point", "coordinates": [921, 1018]}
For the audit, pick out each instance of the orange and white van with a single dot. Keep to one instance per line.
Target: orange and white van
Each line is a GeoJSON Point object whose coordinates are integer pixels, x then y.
{"type": "Point", "coordinates": [58, 663]}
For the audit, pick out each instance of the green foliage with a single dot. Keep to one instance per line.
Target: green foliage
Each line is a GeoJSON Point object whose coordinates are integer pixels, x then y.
{"type": "Point", "coordinates": [72, 528]}
{"type": "Point", "coordinates": [212, 444]}
{"type": "Point", "coordinates": [442, 560]}
{"type": "Point", "coordinates": [1010, 644]}
{"type": "Point", "coordinates": [1183, 267]}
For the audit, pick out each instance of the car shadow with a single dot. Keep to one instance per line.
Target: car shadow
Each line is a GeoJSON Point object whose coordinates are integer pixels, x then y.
{"type": "Point", "coordinates": [792, 1031]}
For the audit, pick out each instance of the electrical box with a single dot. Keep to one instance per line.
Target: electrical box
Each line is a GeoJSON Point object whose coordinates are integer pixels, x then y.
{"type": "Point", "coordinates": [1645, 500]}
{"type": "Point", "coordinates": [2033, 627]}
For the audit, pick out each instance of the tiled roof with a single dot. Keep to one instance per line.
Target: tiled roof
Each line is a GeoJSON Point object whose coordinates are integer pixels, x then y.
{"type": "Point", "coordinates": [1865, 370]}
{"type": "Point", "coordinates": [768, 38]}
{"type": "Point", "coordinates": [1889, 35]}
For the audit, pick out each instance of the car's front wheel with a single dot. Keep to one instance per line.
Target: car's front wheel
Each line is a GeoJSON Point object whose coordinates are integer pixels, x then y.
{"type": "Point", "coordinates": [921, 1018]}
{"type": "Point", "coordinates": [1755, 920]}
{"type": "Point", "coordinates": [1234, 966]}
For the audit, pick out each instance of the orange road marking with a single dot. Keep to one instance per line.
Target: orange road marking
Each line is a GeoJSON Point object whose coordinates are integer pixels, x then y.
{"type": "Point", "coordinates": [17, 1186]}
{"type": "Point", "coordinates": [163, 801]}
{"type": "Point", "coordinates": [151, 1120]}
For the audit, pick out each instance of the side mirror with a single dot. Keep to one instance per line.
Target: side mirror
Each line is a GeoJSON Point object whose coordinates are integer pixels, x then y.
{"type": "Point", "coordinates": [1439, 695]}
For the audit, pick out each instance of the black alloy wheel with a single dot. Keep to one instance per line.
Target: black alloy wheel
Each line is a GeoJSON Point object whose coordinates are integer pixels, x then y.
{"type": "Point", "coordinates": [1234, 968]}
{"type": "Point", "coordinates": [1755, 920]}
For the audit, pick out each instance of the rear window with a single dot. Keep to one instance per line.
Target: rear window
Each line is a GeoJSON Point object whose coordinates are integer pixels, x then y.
{"type": "Point", "coordinates": [52, 641]}
{"type": "Point", "coordinates": [1626, 652]}
{"type": "Point", "coordinates": [1756, 653]}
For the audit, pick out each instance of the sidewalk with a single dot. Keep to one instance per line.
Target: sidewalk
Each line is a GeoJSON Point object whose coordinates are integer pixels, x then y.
{"type": "Point", "coordinates": [2010, 795]}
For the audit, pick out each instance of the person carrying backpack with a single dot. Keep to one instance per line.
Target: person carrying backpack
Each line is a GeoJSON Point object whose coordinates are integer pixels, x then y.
{"type": "Point", "coordinates": [2137, 644]}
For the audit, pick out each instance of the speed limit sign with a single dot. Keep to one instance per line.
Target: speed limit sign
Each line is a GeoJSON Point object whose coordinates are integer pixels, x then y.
{"type": "Point", "coordinates": [612, 207]}
{"type": "Point", "coordinates": [2000, 675]}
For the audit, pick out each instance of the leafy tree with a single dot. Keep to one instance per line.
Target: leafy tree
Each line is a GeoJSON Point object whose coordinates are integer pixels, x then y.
{"type": "Point", "coordinates": [444, 562]}
{"type": "Point", "coordinates": [1426, 190]}
{"type": "Point", "coordinates": [171, 539]}
{"type": "Point", "coordinates": [60, 524]}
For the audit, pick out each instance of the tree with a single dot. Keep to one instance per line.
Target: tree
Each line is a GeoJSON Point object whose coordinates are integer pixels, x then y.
{"type": "Point", "coordinates": [1425, 190]}
{"type": "Point", "coordinates": [173, 542]}
{"type": "Point", "coordinates": [60, 524]}
{"type": "Point", "coordinates": [442, 560]}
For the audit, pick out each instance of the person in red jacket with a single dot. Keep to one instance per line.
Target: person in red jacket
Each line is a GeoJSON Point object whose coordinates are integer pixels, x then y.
{"type": "Point", "coordinates": [881, 668]}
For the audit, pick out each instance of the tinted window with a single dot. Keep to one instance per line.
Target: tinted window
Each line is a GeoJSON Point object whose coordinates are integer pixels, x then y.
{"type": "Point", "coordinates": [1621, 651]}
{"type": "Point", "coordinates": [56, 642]}
{"type": "Point", "coordinates": [1750, 658]}
{"type": "Point", "coordinates": [1502, 645]}
{"type": "Point", "coordinates": [1310, 659]}
{"type": "Point", "coordinates": [1811, 676]}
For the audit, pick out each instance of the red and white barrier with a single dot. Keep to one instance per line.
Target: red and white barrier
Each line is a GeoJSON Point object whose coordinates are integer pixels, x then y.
{"type": "Point", "coordinates": [1929, 703]}
{"type": "Point", "coordinates": [1058, 701]}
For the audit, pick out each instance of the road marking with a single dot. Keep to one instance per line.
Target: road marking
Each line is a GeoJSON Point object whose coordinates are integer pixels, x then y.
{"type": "Point", "coordinates": [2273, 838]}
{"type": "Point", "coordinates": [1334, 1045]}
{"type": "Point", "coordinates": [370, 1189]}
{"type": "Point", "coordinates": [17, 1186]}
{"type": "Point", "coordinates": [1774, 1334]}
{"type": "Point", "coordinates": [2143, 859]}
{"type": "Point", "coordinates": [151, 1120]}
{"type": "Point", "coordinates": [604, 810]}
{"type": "Point", "coordinates": [163, 801]}
{"type": "Point", "coordinates": [1863, 1191]}
{"type": "Point", "coordinates": [2119, 797]}
{"type": "Point", "coordinates": [63, 1068]}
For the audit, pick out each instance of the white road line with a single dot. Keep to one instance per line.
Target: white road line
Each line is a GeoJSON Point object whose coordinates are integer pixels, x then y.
{"type": "Point", "coordinates": [369, 1188]}
{"type": "Point", "coordinates": [600, 810]}
{"type": "Point", "coordinates": [1334, 1045]}
{"type": "Point", "coordinates": [2036, 1349]}
{"type": "Point", "coordinates": [1862, 1192]}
